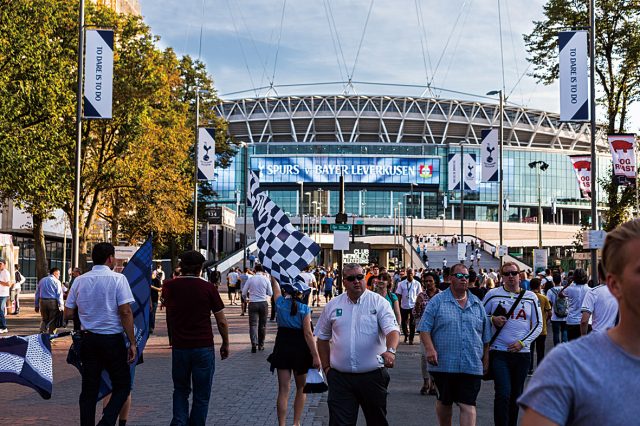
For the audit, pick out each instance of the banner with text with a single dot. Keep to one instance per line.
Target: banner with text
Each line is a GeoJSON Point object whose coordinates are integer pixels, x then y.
{"type": "Point", "coordinates": [582, 168]}
{"type": "Point", "coordinates": [98, 76]}
{"type": "Point", "coordinates": [490, 158]}
{"type": "Point", "coordinates": [468, 170]}
{"type": "Point", "coordinates": [206, 153]}
{"type": "Point", "coordinates": [574, 77]}
{"type": "Point", "coordinates": [624, 158]}
{"type": "Point", "coordinates": [327, 169]}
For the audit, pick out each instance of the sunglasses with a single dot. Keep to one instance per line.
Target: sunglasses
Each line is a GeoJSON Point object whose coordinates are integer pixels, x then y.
{"type": "Point", "coordinates": [352, 278]}
{"type": "Point", "coordinates": [460, 276]}
{"type": "Point", "coordinates": [511, 273]}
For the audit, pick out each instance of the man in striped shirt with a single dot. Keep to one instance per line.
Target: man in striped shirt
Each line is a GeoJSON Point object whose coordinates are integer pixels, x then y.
{"type": "Point", "coordinates": [510, 354]}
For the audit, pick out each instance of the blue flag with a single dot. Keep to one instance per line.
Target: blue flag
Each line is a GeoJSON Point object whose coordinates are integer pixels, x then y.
{"type": "Point", "coordinates": [26, 360]}
{"type": "Point", "coordinates": [138, 274]}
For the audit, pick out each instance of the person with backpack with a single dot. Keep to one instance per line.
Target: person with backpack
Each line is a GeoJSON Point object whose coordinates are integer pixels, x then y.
{"type": "Point", "coordinates": [576, 293]}
{"type": "Point", "coordinates": [559, 310]}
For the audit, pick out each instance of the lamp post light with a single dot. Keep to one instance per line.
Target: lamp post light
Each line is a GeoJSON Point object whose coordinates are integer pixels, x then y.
{"type": "Point", "coordinates": [540, 166]}
{"type": "Point", "coordinates": [500, 93]}
{"type": "Point", "coordinates": [246, 192]}
{"type": "Point", "coordinates": [301, 208]}
{"type": "Point", "coordinates": [308, 211]}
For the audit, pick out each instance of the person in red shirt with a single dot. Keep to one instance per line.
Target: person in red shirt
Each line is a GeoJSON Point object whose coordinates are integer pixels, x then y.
{"type": "Point", "coordinates": [190, 300]}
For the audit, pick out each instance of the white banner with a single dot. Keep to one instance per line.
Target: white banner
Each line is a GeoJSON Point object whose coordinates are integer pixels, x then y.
{"type": "Point", "coordinates": [582, 167]}
{"type": "Point", "coordinates": [206, 153]}
{"type": "Point", "coordinates": [624, 158]}
{"type": "Point", "coordinates": [468, 171]}
{"type": "Point", "coordinates": [539, 260]}
{"type": "Point", "coordinates": [462, 251]}
{"type": "Point", "coordinates": [98, 76]}
{"type": "Point", "coordinates": [574, 77]}
{"type": "Point", "coordinates": [489, 155]}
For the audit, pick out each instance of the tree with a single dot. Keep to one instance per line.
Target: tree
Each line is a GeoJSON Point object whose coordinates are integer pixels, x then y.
{"type": "Point", "coordinates": [617, 66]}
{"type": "Point", "coordinates": [36, 108]}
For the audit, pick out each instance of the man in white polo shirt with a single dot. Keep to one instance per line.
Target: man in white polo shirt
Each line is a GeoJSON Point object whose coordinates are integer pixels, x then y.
{"type": "Point", "coordinates": [102, 298]}
{"type": "Point", "coordinates": [357, 338]}
{"type": "Point", "coordinates": [407, 291]}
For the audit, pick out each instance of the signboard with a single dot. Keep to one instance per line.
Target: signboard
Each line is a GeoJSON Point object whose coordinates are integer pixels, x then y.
{"type": "Point", "coordinates": [503, 251]}
{"type": "Point", "coordinates": [341, 240]}
{"type": "Point", "coordinates": [340, 227]}
{"type": "Point", "coordinates": [363, 169]}
{"type": "Point", "coordinates": [574, 77]}
{"type": "Point", "coordinates": [582, 256]}
{"type": "Point", "coordinates": [539, 260]}
{"type": "Point", "coordinates": [214, 215]}
{"type": "Point", "coordinates": [623, 156]}
{"type": "Point", "coordinates": [206, 153]}
{"type": "Point", "coordinates": [358, 253]}
{"type": "Point", "coordinates": [98, 78]}
{"type": "Point", "coordinates": [462, 251]}
{"type": "Point", "coordinates": [593, 239]}
{"type": "Point", "coordinates": [490, 156]}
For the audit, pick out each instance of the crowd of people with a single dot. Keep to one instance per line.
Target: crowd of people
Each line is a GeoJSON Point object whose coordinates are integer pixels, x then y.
{"type": "Point", "coordinates": [470, 325]}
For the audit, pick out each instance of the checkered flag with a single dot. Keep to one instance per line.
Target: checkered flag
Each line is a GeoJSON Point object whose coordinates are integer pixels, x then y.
{"type": "Point", "coordinates": [283, 251]}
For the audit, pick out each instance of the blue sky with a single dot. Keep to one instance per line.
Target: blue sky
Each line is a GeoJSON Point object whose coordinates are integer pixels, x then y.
{"type": "Point", "coordinates": [460, 40]}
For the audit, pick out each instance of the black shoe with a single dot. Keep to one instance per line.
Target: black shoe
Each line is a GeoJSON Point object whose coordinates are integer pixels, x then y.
{"type": "Point", "coordinates": [405, 339]}
{"type": "Point", "coordinates": [261, 348]}
{"type": "Point", "coordinates": [253, 349]}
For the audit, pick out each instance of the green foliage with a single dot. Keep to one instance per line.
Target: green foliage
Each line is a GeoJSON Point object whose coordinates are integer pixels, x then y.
{"type": "Point", "coordinates": [617, 67]}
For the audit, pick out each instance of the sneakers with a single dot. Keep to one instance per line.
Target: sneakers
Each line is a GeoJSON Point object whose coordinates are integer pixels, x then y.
{"type": "Point", "coordinates": [3, 330]}
{"type": "Point", "coordinates": [253, 349]}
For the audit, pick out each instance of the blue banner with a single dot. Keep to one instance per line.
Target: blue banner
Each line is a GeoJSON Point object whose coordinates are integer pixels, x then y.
{"type": "Point", "coordinates": [327, 169]}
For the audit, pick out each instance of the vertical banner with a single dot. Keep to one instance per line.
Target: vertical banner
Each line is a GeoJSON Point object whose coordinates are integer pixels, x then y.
{"type": "Point", "coordinates": [539, 260]}
{"type": "Point", "coordinates": [623, 156]}
{"type": "Point", "coordinates": [489, 156]}
{"type": "Point", "coordinates": [574, 77]}
{"type": "Point", "coordinates": [468, 172]}
{"type": "Point", "coordinates": [582, 168]}
{"type": "Point", "coordinates": [206, 153]}
{"type": "Point", "coordinates": [98, 76]}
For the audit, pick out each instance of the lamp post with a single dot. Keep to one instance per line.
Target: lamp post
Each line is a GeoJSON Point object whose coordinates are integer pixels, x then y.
{"type": "Point", "coordinates": [308, 211]}
{"type": "Point", "coordinates": [401, 228]}
{"type": "Point", "coordinates": [301, 208]}
{"type": "Point", "coordinates": [461, 192]}
{"type": "Point", "coordinates": [412, 214]}
{"type": "Point", "coordinates": [500, 172]}
{"type": "Point", "coordinates": [195, 171]}
{"type": "Point", "coordinates": [539, 166]}
{"type": "Point", "coordinates": [75, 244]}
{"type": "Point", "coordinates": [246, 195]}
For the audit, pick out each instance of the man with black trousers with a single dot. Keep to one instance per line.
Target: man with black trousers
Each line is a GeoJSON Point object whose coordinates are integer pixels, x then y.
{"type": "Point", "coordinates": [102, 298]}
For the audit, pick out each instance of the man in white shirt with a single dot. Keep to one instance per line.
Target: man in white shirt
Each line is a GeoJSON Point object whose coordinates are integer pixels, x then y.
{"type": "Point", "coordinates": [102, 298]}
{"type": "Point", "coordinates": [600, 306]}
{"type": "Point", "coordinates": [408, 293]}
{"type": "Point", "coordinates": [258, 291]}
{"type": "Point", "coordinates": [576, 293]}
{"type": "Point", "coordinates": [357, 338]}
{"type": "Point", "coordinates": [5, 286]}
{"type": "Point", "coordinates": [310, 280]}
{"type": "Point", "coordinates": [232, 282]}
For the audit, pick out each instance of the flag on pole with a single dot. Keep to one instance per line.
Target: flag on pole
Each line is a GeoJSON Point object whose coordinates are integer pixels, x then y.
{"type": "Point", "coordinates": [582, 168]}
{"type": "Point", "coordinates": [138, 274]}
{"type": "Point", "coordinates": [206, 153]}
{"type": "Point", "coordinates": [283, 251]}
{"type": "Point", "coordinates": [489, 156]}
{"type": "Point", "coordinates": [98, 78]}
{"type": "Point", "coordinates": [573, 70]}
{"type": "Point", "coordinates": [26, 360]}
{"type": "Point", "coordinates": [623, 156]}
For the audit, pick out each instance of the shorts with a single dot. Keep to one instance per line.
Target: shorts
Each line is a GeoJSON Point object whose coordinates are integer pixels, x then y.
{"type": "Point", "coordinates": [457, 387]}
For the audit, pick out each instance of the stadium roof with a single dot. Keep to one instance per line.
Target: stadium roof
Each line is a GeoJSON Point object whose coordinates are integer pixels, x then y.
{"type": "Point", "coordinates": [387, 119]}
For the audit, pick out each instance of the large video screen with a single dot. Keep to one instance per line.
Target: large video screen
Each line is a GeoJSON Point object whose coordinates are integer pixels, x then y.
{"type": "Point", "coordinates": [327, 169]}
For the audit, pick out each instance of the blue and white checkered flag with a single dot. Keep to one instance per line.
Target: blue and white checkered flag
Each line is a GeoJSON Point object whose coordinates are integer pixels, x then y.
{"type": "Point", "coordinates": [283, 251]}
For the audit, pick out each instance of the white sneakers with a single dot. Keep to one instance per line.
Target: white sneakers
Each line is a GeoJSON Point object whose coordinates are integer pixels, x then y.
{"type": "Point", "coordinates": [3, 330]}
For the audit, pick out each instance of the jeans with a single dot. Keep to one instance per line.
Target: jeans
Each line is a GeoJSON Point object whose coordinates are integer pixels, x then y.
{"type": "Point", "coordinates": [509, 372]}
{"type": "Point", "coordinates": [192, 366]}
{"type": "Point", "coordinates": [406, 316]}
{"type": "Point", "coordinates": [538, 346]}
{"type": "Point", "coordinates": [258, 322]}
{"type": "Point", "coordinates": [559, 329]}
{"type": "Point", "coordinates": [103, 352]}
{"type": "Point", "coordinates": [3, 320]}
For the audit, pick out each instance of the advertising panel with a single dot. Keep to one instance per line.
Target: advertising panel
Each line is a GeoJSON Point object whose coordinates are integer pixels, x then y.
{"type": "Point", "coordinates": [574, 73]}
{"type": "Point", "coordinates": [206, 153]}
{"type": "Point", "coordinates": [98, 78]}
{"type": "Point", "coordinates": [623, 156]}
{"type": "Point", "coordinates": [327, 169]}
{"type": "Point", "coordinates": [582, 168]}
{"type": "Point", "coordinates": [490, 158]}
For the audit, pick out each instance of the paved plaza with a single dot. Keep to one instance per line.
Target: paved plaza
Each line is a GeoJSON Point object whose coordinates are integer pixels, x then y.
{"type": "Point", "coordinates": [244, 391]}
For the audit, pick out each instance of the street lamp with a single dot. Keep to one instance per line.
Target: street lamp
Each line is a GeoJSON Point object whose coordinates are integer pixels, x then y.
{"type": "Point", "coordinates": [401, 236]}
{"type": "Point", "coordinates": [301, 208]}
{"type": "Point", "coordinates": [500, 93]}
{"type": "Point", "coordinates": [246, 193]}
{"type": "Point", "coordinates": [412, 214]}
{"type": "Point", "coordinates": [539, 166]}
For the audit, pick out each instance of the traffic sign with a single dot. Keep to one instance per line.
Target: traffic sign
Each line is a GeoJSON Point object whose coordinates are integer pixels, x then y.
{"type": "Point", "coordinates": [340, 227]}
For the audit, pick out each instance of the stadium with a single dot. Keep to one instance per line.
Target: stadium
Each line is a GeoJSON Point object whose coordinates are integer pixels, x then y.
{"type": "Point", "coordinates": [394, 154]}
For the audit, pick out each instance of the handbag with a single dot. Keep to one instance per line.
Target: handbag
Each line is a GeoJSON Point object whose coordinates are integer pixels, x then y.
{"type": "Point", "coordinates": [315, 382]}
{"type": "Point", "coordinates": [489, 374]}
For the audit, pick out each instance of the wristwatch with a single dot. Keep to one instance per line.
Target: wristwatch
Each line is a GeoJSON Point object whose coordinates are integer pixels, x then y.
{"type": "Point", "coordinates": [391, 350]}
